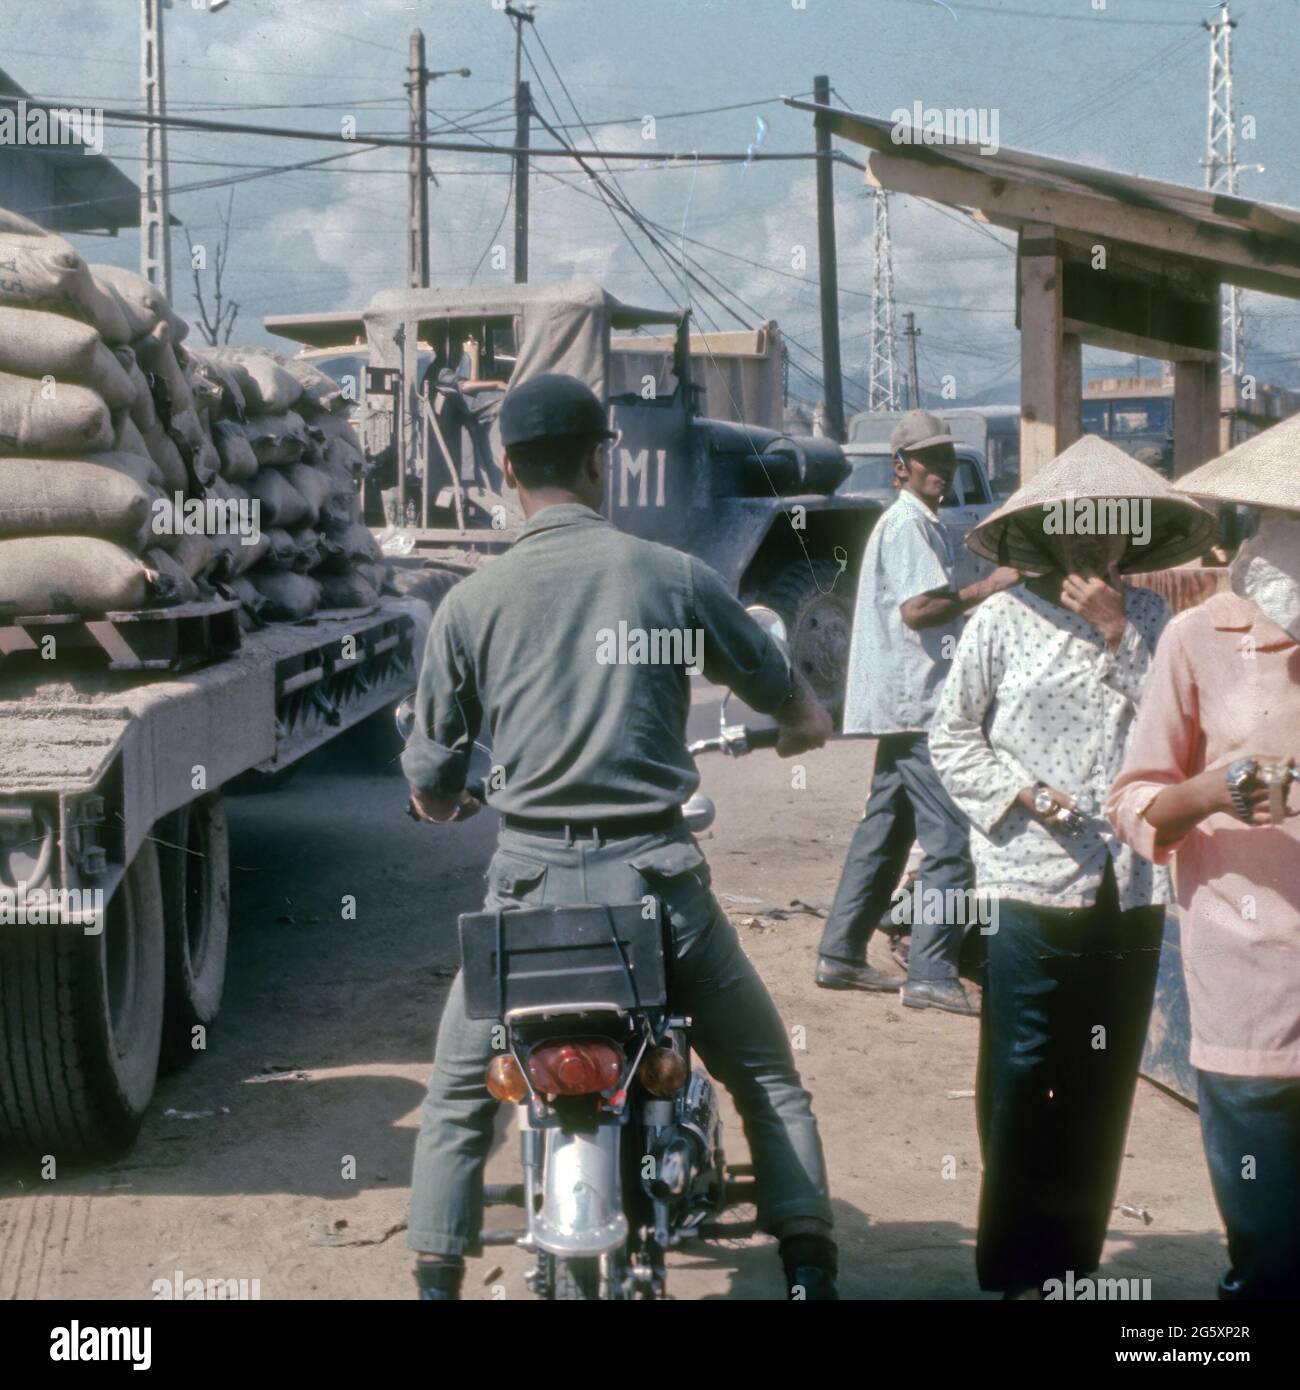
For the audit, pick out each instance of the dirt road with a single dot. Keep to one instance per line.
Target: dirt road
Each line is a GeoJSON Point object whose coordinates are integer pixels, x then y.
{"type": "Point", "coordinates": [305, 1105]}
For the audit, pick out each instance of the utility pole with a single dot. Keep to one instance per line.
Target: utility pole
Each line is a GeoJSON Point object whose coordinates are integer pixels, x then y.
{"type": "Point", "coordinates": [523, 111]}
{"type": "Point", "coordinates": [881, 370]}
{"type": "Point", "coordinates": [155, 215]}
{"type": "Point", "coordinates": [519, 16]}
{"type": "Point", "coordinates": [1221, 167]}
{"type": "Point", "coordinates": [417, 245]}
{"type": "Point", "coordinates": [155, 220]}
{"type": "Point", "coordinates": [912, 333]}
{"type": "Point", "coordinates": [828, 275]}
{"type": "Point", "coordinates": [418, 78]}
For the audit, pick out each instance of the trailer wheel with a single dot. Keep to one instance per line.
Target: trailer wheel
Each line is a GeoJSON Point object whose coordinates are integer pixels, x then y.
{"type": "Point", "coordinates": [81, 1024]}
{"type": "Point", "coordinates": [194, 860]}
{"type": "Point", "coordinates": [816, 602]}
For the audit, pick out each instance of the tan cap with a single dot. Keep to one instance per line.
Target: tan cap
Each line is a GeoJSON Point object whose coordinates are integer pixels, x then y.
{"type": "Point", "coordinates": [919, 429]}
{"type": "Point", "coordinates": [1262, 472]}
{"type": "Point", "coordinates": [1093, 468]}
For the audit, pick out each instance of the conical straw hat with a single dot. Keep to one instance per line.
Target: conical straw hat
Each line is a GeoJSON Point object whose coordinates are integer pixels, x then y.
{"type": "Point", "coordinates": [1262, 472]}
{"type": "Point", "coordinates": [1093, 469]}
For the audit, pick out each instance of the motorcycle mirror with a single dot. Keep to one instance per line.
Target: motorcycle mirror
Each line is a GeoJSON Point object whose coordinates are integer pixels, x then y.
{"type": "Point", "coordinates": [699, 813]}
{"type": "Point", "coordinates": [769, 620]}
{"type": "Point", "coordinates": [404, 715]}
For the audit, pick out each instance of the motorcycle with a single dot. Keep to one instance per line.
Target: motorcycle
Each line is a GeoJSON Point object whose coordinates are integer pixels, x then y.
{"type": "Point", "coordinates": [620, 1135]}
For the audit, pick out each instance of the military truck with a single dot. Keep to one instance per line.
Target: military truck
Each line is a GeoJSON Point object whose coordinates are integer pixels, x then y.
{"type": "Point", "coordinates": [758, 504]}
{"type": "Point", "coordinates": [114, 870]}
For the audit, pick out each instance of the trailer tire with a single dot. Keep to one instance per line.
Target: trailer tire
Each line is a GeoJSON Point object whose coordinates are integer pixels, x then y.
{"type": "Point", "coordinates": [815, 602]}
{"type": "Point", "coordinates": [81, 1025]}
{"type": "Point", "coordinates": [194, 862]}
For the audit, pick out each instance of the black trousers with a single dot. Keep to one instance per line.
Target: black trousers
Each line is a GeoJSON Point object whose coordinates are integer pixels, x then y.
{"type": "Point", "coordinates": [1067, 998]}
{"type": "Point", "coordinates": [907, 800]}
{"type": "Point", "coordinates": [1251, 1128]}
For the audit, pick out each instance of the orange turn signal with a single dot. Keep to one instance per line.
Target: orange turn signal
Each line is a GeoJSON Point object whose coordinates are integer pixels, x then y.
{"type": "Point", "coordinates": [663, 1071]}
{"type": "Point", "coordinates": [504, 1079]}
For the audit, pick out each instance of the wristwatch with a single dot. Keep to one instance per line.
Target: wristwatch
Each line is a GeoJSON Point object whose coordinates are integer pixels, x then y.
{"type": "Point", "coordinates": [1044, 801]}
{"type": "Point", "coordinates": [1277, 778]}
{"type": "Point", "coordinates": [1238, 777]}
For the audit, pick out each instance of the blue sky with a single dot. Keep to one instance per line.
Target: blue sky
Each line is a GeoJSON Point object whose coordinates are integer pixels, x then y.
{"type": "Point", "coordinates": [1121, 86]}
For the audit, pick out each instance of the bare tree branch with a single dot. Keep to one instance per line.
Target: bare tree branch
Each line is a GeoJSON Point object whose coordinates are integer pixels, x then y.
{"type": "Point", "coordinates": [218, 324]}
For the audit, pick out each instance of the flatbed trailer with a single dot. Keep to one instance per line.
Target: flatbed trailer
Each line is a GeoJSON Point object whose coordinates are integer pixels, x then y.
{"type": "Point", "coordinates": [114, 870]}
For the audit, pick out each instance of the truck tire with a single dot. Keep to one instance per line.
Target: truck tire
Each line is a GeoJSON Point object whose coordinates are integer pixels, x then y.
{"type": "Point", "coordinates": [194, 863]}
{"type": "Point", "coordinates": [816, 603]}
{"type": "Point", "coordinates": [81, 1024]}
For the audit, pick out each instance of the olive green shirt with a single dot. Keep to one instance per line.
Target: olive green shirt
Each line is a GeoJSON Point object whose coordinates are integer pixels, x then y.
{"type": "Point", "coordinates": [573, 651]}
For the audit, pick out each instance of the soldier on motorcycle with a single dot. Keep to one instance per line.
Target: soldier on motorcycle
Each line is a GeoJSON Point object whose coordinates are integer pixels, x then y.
{"type": "Point", "coordinates": [594, 768]}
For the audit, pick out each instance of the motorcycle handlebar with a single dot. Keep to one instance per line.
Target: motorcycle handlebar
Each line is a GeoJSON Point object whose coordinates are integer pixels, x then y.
{"type": "Point", "coordinates": [736, 740]}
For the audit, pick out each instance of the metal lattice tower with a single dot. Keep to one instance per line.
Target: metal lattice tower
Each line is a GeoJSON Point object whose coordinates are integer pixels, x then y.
{"type": "Point", "coordinates": [881, 373]}
{"type": "Point", "coordinates": [1221, 165]}
{"type": "Point", "coordinates": [155, 238]}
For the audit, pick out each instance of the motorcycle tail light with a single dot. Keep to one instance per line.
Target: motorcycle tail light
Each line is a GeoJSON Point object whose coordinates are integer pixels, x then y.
{"type": "Point", "coordinates": [575, 1068]}
{"type": "Point", "coordinates": [663, 1071]}
{"type": "Point", "coordinates": [505, 1081]}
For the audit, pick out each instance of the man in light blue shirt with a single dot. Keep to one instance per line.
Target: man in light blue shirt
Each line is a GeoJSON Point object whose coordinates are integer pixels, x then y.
{"type": "Point", "coordinates": [906, 622]}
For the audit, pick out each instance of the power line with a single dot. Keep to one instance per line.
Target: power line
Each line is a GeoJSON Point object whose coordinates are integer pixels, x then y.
{"type": "Point", "coordinates": [1096, 18]}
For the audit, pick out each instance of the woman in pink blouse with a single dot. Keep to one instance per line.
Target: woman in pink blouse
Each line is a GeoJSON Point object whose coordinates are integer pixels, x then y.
{"type": "Point", "coordinates": [1209, 782]}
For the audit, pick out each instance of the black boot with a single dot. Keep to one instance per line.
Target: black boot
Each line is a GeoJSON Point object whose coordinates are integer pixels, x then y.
{"type": "Point", "coordinates": [811, 1264]}
{"type": "Point", "coordinates": [439, 1281]}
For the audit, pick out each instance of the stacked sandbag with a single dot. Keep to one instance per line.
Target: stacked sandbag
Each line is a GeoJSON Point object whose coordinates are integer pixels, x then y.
{"type": "Point", "coordinates": [283, 441]}
{"type": "Point", "coordinates": [135, 470]}
{"type": "Point", "coordinates": [82, 489]}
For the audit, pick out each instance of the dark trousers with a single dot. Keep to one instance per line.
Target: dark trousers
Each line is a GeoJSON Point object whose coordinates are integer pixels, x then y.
{"type": "Point", "coordinates": [907, 802]}
{"type": "Point", "coordinates": [1067, 997]}
{"type": "Point", "coordinates": [1251, 1128]}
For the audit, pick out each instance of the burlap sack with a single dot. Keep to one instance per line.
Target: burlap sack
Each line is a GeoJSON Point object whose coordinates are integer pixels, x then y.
{"type": "Point", "coordinates": [349, 548]}
{"type": "Point", "coordinates": [132, 465]}
{"type": "Point", "coordinates": [267, 388]}
{"type": "Point", "coordinates": [73, 574]}
{"type": "Point", "coordinates": [214, 376]}
{"type": "Point", "coordinates": [277, 440]}
{"type": "Point", "coordinates": [43, 417]}
{"type": "Point", "coordinates": [143, 411]}
{"type": "Point", "coordinates": [282, 503]}
{"type": "Point", "coordinates": [73, 498]}
{"type": "Point", "coordinates": [320, 393]}
{"type": "Point", "coordinates": [129, 439]}
{"type": "Point", "coordinates": [281, 550]}
{"type": "Point", "coordinates": [308, 543]}
{"type": "Point", "coordinates": [41, 271]}
{"type": "Point", "coordinates": [317, 485]}
{"type": "Point", "coordinates": [351, 590]}
{"type": "Point", "coordinates": [290, 597]}
{"type": "Point", "coordinates": [184, 589]}
{"type": "Point", "coordinates": [207, 461]}
{"type": "Point", "coordinates": [142, 304]}
{"type": "Point", "coordinates": [33, 342]}
{"type": "Point", "coordinates": [252, 613]}
{"type": "Point", "coordinates": [195, 554]}
{"type": "Point", "coordinates": [238, 461]}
